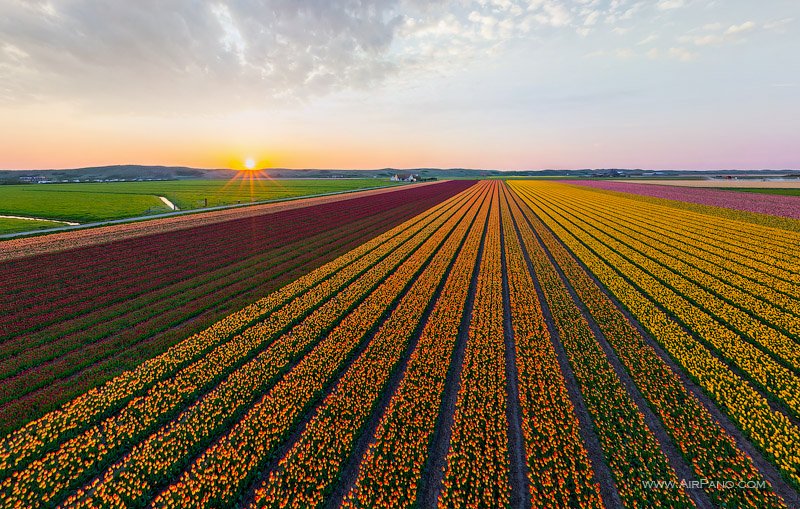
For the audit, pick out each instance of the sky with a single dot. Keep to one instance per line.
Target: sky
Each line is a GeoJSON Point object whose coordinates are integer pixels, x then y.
{"type": "Point", "coordinates": [498, 84]}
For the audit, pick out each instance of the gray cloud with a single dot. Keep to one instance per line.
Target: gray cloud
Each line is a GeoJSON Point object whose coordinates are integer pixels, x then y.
{"type": "Point", "coordinates": [171, 55]}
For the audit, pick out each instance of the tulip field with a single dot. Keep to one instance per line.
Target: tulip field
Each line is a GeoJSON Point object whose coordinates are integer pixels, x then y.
{"type": "Point", "coordinates": [521, 343]}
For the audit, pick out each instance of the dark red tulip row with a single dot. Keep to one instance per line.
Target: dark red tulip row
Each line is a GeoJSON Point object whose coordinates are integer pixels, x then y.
{"type": "Point", "coordinates": [103, 309]}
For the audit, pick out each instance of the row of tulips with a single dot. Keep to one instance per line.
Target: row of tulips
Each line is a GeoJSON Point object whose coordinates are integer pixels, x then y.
{"type": "Point", "coordinates": [101, 275]}
{"type": "Point", "coordinates": [767, 247]}
{"type": "Point", "coordinates": [87, 355]}
{"type": "Point", "coordinates": [227, 467]}
{"type": "Point", "coordinates": [687, 282]}
{"type": "Point", "coordinates": [711, 451]}
{"type": "Point", "coordinates": [775, 264]}
{"type": "Point", "coordinates": [308, 472]}
{"type": "Point", "coordinates": [477, 472]}
{"type": "Point", "coordinates": [99, 352]}
{"type": "Point", "coordinates": [113, 321]}
{"type": "Point", "coordinates": [734, 282]}
{"type": "Point", "coordinates": [392, 468]}
{"type": "Point", "coordinates": [721, 200]}
{"type": "Point", "coordinates": [779, 381]}
{"type": "Point", "coordinates": [300, 296]}
{"type": "Point", "coordinates": [679, 259]}
{"type": "Point", "coordinates": [51, 477]}
{"type": "Point", "coordinates": [769, 429]}
{"type": "Point", "coordinates": [632, 451]}
{"type": "Point", "coordinates": [559, 470]}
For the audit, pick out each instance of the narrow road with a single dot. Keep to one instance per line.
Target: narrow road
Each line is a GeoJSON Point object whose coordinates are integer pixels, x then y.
{"type": "Point", "coordinates": [168, 203]}
{"type": "Point", "coordinates": [39, 219]}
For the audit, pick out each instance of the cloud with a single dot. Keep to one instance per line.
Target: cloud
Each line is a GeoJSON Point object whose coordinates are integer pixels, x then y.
{"type": "Point", "coordinates": [715, 35]}
{"type": "Point", "coordinates": [666, 5]}
{"type": "Point", "coordinates": [745, 27]}
{"type": "Point", "coordinates": [682, 54]}
{"type": "Point", "coordinates": [779, 25]}
{"type": "Point", "coordinates": [170, 57]}
{"type": "Point", "coordinates": [147, 49]}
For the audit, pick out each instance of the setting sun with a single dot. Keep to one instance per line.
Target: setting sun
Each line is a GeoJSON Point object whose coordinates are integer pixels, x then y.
{"type": "Point", "coordinates": [249, 163]}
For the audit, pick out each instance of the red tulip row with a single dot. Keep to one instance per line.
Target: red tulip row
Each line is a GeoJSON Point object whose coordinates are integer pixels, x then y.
{"type": "Point", "coordinates": [768, 429]}
{"type": "Point", "coordinates": [631, 449]}
{"type": "Point", "coordinates": [292, 302]}
{"type": "Point", "coordinates": [711, 451]}
{"type": "Point", "coordinates": [94, 347]}
{"type": "Point", "coordinates": [390, 471]}
{"type": "Point", "coordinates": [225, 468]}
{"type": "Point", "coordinates": [308, 471]}
{"type": "Point", "coordinates": [86, 278]}
{"type": "Point", "coordinates": [559, 471]}
{"type": "Point", "coordinates": [76, 344]}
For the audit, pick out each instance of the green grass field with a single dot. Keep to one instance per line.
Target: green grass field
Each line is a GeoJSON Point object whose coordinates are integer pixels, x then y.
{"type": "Point", "coordinates": [782, 191]}
{"type": "Point", "coordinates": [89, 202]}
{"type": "Point", "coordinates": [8, 225]}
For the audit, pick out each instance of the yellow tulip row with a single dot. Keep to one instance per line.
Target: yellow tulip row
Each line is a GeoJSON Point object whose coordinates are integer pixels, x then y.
{"type": "Point", "coordinates": [768, 235]}
{"type": "Point", "coordinates": [779, 381]}
{"type": "Point", "coordinates": [391, 468]}
{"type": "Point", "coordinates": [712, 452]}
{"type": "Point", "coordinates": [559, 469]}
{"type": "Point", "coordinates": [679, 227]}
{"type": "Point", "coordinates": [736, 283]}
{"type": "Point", "coordinates": [768, 429]}
{"type": "Point", "coordinates": [225, 468]}
{"type": "Point", "coordinates": [632, 451]}
{"type": "Point", "coordinates": [778, 271]}
{"type": "Point", "coordinates": [32, 440]}
{"type": "Point", "coordinates": [687, 281]}
{"type": "Point", "coordinates": [728, 282]}
{"type": "Point", "coordinates": [50, 477]}
{"type": "Point", "coordinates": [309, 470]}
{"type": "Point", "coordinates": [746, 238]}
{"type": "Point", "coordinates": [477, 471]}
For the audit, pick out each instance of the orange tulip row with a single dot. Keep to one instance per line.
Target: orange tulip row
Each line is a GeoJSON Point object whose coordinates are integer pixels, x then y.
{"type": "Point", "coordinates": [225, 468]}
{"type": "Point", "coordinates": [393, 464]}
{"type": "Point", "coordinates": [307, 473]}
{"type": "Point", "coordinates": [51, 476]}
{"type": "Point", "coordinates": [768, 429]}
{"type": "Point", "coordinates": [632, 451]}
{"type": "Point", "coordinates": [712, 452]}
{"type": "Point", "coordinates": [29, 442]}
{"type": "Point", "coordinates": [477, 472]}
{"type": "Point", "coordinates": [756, 299]}
{"type": "Point", "coordinates": [559, 470]}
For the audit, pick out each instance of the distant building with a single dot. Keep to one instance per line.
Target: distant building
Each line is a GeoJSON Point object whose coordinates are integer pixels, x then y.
{"type": "Point", "coordinates": [37, 179]}
{"type": "Point", "coordinates": [404, 177]}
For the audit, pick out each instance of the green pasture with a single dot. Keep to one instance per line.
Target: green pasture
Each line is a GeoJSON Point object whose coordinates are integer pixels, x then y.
{"type": "Point", "coordinates": [89, 202]}
{"type": "Point", "coordinates": [10, 225]}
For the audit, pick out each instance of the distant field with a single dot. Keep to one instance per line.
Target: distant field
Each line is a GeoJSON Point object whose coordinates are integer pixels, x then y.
{"type": "Point", "coordinates": [781, 191]}
{"type": "Point", "coordinates": [87, 202]}
{"type": "Point", "coordinates": [75, 202]}
{"type": "Point", "coordinates": [739, 185]}
{"type": "Point", "coordinates": [8, 225]}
